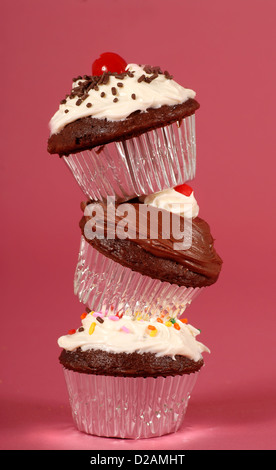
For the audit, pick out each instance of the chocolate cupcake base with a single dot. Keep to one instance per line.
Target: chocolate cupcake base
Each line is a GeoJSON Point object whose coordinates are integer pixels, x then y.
{"type": "Point", "coordinates": [89, 132]}
{"type": "Point", "coordinates": [96, 361]}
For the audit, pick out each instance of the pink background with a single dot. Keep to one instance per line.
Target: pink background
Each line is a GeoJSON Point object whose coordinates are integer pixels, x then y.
{"type": "Point", "coordinates": [225, 50]}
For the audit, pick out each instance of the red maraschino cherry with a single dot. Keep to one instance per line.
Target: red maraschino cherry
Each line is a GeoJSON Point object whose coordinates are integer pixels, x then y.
{"type": "Point", "coordinates": [184, 189]}
{"type": "Point", "coordinates": [108, 62]}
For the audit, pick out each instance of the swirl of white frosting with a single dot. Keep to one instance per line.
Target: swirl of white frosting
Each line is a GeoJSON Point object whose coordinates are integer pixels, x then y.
{"type": "Point", "coordinates": [174, 201]}
{"type": "Point", "coordinates": [132, 96]}
{"type": "Point", "coordinates": [124, 334]}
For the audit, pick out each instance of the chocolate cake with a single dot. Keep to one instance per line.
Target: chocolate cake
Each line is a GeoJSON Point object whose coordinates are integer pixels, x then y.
{"type": "Point", "coordinates": [123, 364]}
{"type": "Point", "coordinates": [87, 133]}
{"type": "Point", "coordinates": [197, 266]}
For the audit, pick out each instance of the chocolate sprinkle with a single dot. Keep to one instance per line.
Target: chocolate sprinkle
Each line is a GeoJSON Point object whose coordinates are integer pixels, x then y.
{"type": "Point", "coordinates": [89, 105]}
{"type": "Point", "coordinates": [167, 75]}
{"type": "Point", "coordinates": [89, 82]}
{"type": "Point", "coordinates": [104, 79]}
{"type": "Point", "coordinates": [133, 96]}
{"type": "Point", "coordinates": [99, 319]}
{"type": "Point", "coordinates": [141, 78]}
{"type": "Point", "coordinates": [79, 77]}
{"type": "Point", "coordinates": [150, 70]}
{"type": "Point", "coordinates": [120, 75]}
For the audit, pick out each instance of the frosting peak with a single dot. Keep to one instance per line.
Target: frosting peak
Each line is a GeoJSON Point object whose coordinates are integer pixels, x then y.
{"type": "Point", "coordinates": [175, 202]}
{"type": "Point", "coordinates": [114, 96]}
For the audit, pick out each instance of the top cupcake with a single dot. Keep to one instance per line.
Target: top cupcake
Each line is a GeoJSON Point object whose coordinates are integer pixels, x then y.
{"type": "Point", "coordinates": [115, 106]}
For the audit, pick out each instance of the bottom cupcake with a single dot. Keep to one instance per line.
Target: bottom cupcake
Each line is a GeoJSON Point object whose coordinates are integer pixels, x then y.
{"type": "Point", "coordinates": [130, 378]}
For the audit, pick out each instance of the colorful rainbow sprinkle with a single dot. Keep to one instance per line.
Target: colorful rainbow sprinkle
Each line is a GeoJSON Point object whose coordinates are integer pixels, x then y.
{"type": "Point", "coordinates": [92, 328]}
{"type": "Point", "coordinates": [125, 329]}
{"type": "Point", "coordinates": [71, 332]}
{"type": "Point", "coordinates": [114, 317]}
{"type": "Point", "coordinates": [152, 330]}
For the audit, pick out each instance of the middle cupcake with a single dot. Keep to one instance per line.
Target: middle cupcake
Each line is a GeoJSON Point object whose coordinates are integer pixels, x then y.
{"type": "Point", "coordinates": [147, 257]}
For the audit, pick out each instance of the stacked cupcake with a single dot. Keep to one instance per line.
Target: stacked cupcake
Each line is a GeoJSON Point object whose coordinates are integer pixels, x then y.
{"type": "Point", "coordinates": [127, 133]}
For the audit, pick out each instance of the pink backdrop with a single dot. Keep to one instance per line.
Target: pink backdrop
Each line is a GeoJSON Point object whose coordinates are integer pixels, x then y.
{"type": "Point", "coordinates": [226, 52]}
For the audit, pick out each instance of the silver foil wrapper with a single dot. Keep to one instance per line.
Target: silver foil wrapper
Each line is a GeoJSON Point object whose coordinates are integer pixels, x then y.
{"type": "Point", "coordinates": [128, 407]}
{"type": "Point", "coordinates": [156, 160]}
{"type": "Point", "coordinates": [103, 285]}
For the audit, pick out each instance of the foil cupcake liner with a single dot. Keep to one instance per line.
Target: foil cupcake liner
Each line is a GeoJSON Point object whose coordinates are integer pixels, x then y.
{"type": "Point", "coordinates": [103, 285]}
{"type": "Point", "coordinates": [128, 407]}
{"type": "Point", "coordinates": [156, 160]}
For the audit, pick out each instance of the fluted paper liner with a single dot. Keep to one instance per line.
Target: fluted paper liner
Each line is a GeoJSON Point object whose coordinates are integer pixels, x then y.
{"type": "Point", "coordinates": [128, 407]}
{"type": "Point", "coordinates": [159, 159]}
{"type": "Point", "coordinates": [103, 285]}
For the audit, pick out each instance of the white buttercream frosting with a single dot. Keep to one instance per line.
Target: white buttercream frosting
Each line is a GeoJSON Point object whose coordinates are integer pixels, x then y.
{"type": "Point", "coordinates": [174, 201]}
{"type": "Point", "coordinates": [128, 335]}
{"type": "Point", "coordinates": [132, 96]}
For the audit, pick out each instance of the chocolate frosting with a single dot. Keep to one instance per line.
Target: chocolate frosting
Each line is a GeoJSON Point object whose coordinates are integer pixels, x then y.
{"type": "Point", "coordinates": [198, 265]}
